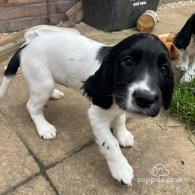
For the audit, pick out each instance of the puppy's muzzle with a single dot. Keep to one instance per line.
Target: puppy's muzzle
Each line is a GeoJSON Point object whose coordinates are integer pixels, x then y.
{"type": "Point", "coordinates": [146, 103]}
{"type": "Point", "coordinates": [144, 99]}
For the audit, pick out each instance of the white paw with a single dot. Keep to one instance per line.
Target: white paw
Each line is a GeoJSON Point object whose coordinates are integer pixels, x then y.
{"type": "Point", "coordinates": [188, 76]}
{"type": "Point", "coordinates": [182, 66]}
{"type": "Point", "coordinates": [124, 137]}
{"type": "Point", "coordinates": [57, 94]}
{"type": "Point", "coordinates": [47, 131]}
{"type": "Point", "coordinates": [121, 171]}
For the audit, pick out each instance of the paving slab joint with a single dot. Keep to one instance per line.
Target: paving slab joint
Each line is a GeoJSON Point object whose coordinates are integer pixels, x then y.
{"type": "Point", "coordinates": [40, 164]}
{"type": "Point", "coordinates": [43, 168]}
{"type": "Point", "coordinates": [23, 182]}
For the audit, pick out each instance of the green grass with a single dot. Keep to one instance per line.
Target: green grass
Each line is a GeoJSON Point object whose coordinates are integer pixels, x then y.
{"type": "Point", "coordinates": [183, 103]}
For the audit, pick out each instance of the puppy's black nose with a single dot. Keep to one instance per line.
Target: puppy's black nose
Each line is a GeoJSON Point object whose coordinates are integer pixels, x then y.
{"type": "Point", "coordinates": [144, 99]}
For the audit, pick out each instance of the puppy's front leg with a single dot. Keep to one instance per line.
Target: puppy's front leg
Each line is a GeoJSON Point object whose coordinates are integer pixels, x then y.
{"type": "Point", "coordinates": [189, 75]}
{"type": "Point", "coordinates": [124, 137]}
{"type": "Point", "coordinates": [183, 61]}
{"type": "Point", "coordinates": [119, 167]}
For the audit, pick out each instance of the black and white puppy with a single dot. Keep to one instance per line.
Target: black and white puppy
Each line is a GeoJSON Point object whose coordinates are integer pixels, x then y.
{"type": "Point", "coordinates": [134, 76]}
{"type": "Point", "coordinates": [185, 40]}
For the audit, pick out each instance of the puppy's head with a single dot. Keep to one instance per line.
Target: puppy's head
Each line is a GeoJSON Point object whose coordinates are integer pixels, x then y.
{"type": "Point", "coordinates": [136, 74]}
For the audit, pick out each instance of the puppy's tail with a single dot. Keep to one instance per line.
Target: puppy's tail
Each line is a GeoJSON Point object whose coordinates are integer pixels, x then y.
{"type": "Point", "coordinates": [10, 72]}
{"type": "Point", "coordinates": [183, 37]}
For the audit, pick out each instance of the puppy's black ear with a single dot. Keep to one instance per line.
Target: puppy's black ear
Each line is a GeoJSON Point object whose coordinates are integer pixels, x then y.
{"type": "Point", "coordinates": [167, 90]}
{"type": "Point", "coordinates": [98, 87]}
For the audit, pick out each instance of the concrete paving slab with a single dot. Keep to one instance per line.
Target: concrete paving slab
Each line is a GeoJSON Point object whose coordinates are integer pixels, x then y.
{"type": "Point", "coordinates": [166, 142]}
{"type": "Point", "coordinates": [16, 164]}
{"type": "Point", "coordinates": [68, 115]}
{"type": "Point", "coordinates": [172, 20]}
{"type": "Point", "coordinates": [87, 172]}
{"type": "Point", "coordinates": [36, 186]}
{"type": "Point", "coordinates": [104, 37]}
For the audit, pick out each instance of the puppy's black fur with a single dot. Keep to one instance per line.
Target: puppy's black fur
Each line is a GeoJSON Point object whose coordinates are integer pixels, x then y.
{"type": "Point", "coordinates": [127, 63]}
{"type": "Point", "coordinates": [14, 63]}
{"type": "Point", "coordinates": [183, 38]}
{"type": "Point", "coordinates": [98, 87]}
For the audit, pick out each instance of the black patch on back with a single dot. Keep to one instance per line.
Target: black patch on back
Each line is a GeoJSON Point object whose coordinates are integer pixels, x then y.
{"type": "Point", "coordinates": [14, 63]}
{"type": "Point", "coordinates": [183, 38]}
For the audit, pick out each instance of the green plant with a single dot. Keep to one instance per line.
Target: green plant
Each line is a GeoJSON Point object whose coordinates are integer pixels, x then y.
{"type": "Point", "coordinates": [183, 103]}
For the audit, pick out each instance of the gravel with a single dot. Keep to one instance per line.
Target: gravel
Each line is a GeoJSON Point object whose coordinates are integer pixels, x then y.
{"type": "Point", "coordinates": [169, 1]}
{"type": "Point", "coordinates": [176, 4]}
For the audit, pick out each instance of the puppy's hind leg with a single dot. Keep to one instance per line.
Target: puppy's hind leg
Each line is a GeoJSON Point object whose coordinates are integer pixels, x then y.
{"type": "Point", "coordinates": [40, 94]}
{"type": "Point", "coordinates": [124, 137]}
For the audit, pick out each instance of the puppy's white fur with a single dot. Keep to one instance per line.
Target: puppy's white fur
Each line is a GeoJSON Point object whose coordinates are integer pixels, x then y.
{"type": "Point", "coordinates": [101, 121]}
{"type": "Point", "coordinates": [140, 85]}
{"type": "Point", "coordinates": [39, 30]}
{"type": "Point", "coordinates": [184, 62]}
{"type": "Point", "coordinates": [57, 94]}
{"type": "Point", "coordinates": [42, 76]}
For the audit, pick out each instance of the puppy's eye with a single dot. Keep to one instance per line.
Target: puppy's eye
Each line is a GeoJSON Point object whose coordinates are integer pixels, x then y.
{"type": "Point", "coordinates": [164, 69]}
{"type": "Point", "coordinates": [127, 62]}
